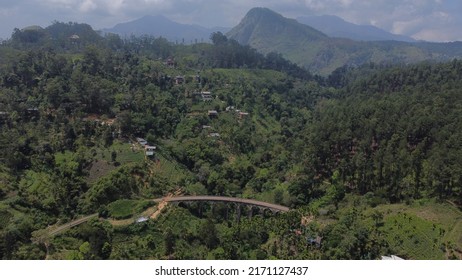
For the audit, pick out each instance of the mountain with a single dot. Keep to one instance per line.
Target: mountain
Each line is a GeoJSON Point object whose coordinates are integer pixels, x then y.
{"type": "Point", "coordinates": [268, 31]}
{"type": "Point", "coordinates": [159, 25]}
{"type": "Point", "coordinates": [58, 35]}
{"type": "Point", "coordinates": [335, 26]}
{"type": "Point", "coordinates": [261, 24]}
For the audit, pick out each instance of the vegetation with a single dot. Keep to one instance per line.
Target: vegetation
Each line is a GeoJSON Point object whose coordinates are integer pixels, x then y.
{"type": "Point", "coordinates": [268, 31]}
{"type": "Point", "coordinates": [126, 208]}
{"type": "Point", "coordinates": [369, 158]}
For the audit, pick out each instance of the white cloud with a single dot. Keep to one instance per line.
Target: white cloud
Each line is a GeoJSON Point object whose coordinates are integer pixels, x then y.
{"type": "Point", "coordinates": [420, 18]}
{"type": "Point", "coordinates": [87, 6]}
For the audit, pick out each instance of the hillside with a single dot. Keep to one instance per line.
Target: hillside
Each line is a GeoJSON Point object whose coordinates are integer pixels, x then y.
{"type": "Point", "coordinates": [59, 35]}
{"type": "Point", "coordinates": [369, 160]}
{"type": "Point", "coordinates": [268, 31]}
{"type": "Point", "coordinates": [260, 24]}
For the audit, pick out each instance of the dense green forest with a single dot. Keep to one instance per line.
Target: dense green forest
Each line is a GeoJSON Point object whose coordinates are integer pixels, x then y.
{"type": "Point", "coordinates": [368, 158]}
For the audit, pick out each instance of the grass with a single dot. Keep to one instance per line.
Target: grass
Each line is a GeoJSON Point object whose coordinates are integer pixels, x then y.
{"type": "Point", "coordinates": [124, 151]}
{"type": "Point", "coordinates": [126, 208]}
{"type": "Point", "coordinates": [102, 159]}
{"type": "Point", "coordinates": [426, 229]}
{"type": "Point", "coordinates": [414, 237]}
{"type": "Point", "coordinates": [169, 170]}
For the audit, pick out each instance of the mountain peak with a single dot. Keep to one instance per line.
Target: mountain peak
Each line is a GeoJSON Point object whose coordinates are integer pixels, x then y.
{"type": "Point", "coordinates": [268, 28]}
{"type": "Point", "coordinates": [262, 12]}
{"type": "Point", "coordinates": [159, 25]}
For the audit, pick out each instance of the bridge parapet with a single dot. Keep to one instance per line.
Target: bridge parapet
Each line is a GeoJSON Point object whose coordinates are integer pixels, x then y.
{"type": "Point", "coordinates": [262, 204]}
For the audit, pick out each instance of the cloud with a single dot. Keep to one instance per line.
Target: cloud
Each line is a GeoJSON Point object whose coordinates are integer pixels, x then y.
{"type": "Point", "coordinates": [421, 19]}
{"type": "Point", "coordinates": [429, 19]}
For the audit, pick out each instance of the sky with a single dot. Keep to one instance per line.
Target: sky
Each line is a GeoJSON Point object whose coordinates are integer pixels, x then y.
{"type": "Point", "coordinates": [430, 20]}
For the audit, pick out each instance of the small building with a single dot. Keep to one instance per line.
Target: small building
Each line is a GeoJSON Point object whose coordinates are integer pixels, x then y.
{"type": "Point", "coordinates": [74, 37]}
{"type": "Point", "coordinates": [314, 241]}
{"type": "Point", "coordinates": [170, 62]}
{"type": "Point", "coordinates": [149, 150]}
{"type": "Point", "coordinates": [142, 220]}
{"type": "Point", "coordinates": [213, 114]}
{"type": "Point", "coordinates": [230, 108]}
{"type": "Point", "coordinates": [206, 127]}
{"type": "Point", "coordinates": [214, 134]}
{"type": "Point", "coordinates": [243, 115]}
{"type": "Point", "coordinates": [391, 258]}
{"type": "Point", "coordinates": [206, 96]}
{"type": "Point", "coordinates": [141, 141]}
{"type": "Point", "coordinates": [179, 80]}
{"type": "Point", "coordinates": [32, 113]}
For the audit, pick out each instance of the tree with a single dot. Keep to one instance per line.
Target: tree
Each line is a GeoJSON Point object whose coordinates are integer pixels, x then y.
{"type": "Point", "coordinates": [218, 38]}
{"type": "Point", "coordinates": [113, 156]}
{"type": "Point", "coordinates": [208, 234]}
{"type": "Point", "coordinates": [169, 240]}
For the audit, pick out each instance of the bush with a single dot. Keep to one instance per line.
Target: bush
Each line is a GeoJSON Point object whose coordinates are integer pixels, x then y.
{"type": "Point", "coordinates": [126, 208]}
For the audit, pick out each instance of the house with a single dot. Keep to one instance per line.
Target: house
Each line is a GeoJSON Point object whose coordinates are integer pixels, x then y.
{"type": "Point", "coordinates": [179, 80]}
{"type": "Point", "coordinates": [391, 258]}
{"type": "Point", "coordinates": [32, 113]}
{"type": "Point", "coordinates": [74, 37]}
{"type": "Point", "coordinates": [213, 114]}
{"type": "Point", "coordinates": [149, 150]}
{"type": "Point", "coordinates": [243, 115]}
{"type": "Point", "coordinates": [141, 219]}
{"type": "Point", "coordinates": [206, 127]}
{"type": "Point", "coordinates": [170, 62]}
{"type": "Point", "coordinates": [206, 96]}
{"type": "Point", "coordinates": [214, 134]}
{"type": "Point", "coordinates": [141, 141]}
{"type": "Point", "coordinates": [314, 241]}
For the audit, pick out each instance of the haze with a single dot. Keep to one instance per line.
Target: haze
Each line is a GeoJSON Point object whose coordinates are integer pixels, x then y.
{"type": "Point", "coordinates": [430, 20]}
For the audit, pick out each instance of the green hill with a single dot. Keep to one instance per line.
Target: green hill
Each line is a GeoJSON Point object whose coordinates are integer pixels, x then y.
{"type": "Point", "coordinates": [369, 158]}
{"type": "Point", "coordinates": [260, 24]}
{"type": "Point", "coordinates": [268, 31]}
{"type": "Point", "coordinates": [59, 36]}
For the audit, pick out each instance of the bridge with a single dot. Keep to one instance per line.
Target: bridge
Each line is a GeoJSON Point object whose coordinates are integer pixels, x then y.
{"type": "Point", "coordinates": [210, 198]}
{"type": "Point", "coordinates": [42, 235]}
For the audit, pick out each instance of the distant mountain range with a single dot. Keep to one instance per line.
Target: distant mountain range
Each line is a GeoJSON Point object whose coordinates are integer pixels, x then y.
{"type": "Point", "coordinates": [332, 26]}
{"type": "Point", "coordinates": [335, 26]}
{"type": "Point", "coordinates": [268, 31]}
{"type": "Point", "coordinates": [160, 26]}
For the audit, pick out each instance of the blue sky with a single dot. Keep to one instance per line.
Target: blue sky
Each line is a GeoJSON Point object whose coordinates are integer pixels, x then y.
{"type": "Point", "coordinates": [431, 20]}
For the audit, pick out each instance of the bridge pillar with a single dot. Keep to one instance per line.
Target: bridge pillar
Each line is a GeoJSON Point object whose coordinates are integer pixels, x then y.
{"type": "Point", "coordinates": [238, 212]}
{"type": "Point", "coordinates": [250, 212]}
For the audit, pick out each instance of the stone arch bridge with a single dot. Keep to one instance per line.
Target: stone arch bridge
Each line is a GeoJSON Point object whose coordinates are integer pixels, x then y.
{"type": "Point", "coordinates": [210, 198]}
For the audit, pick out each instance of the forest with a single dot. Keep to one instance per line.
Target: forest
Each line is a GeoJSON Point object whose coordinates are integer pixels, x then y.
{"type": "Point", "coordinates": [368, 159]}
